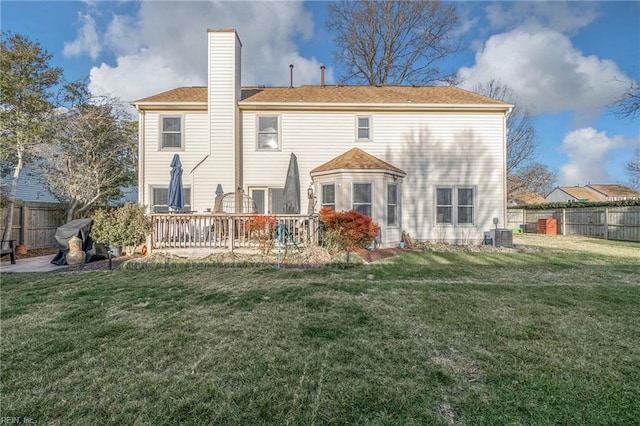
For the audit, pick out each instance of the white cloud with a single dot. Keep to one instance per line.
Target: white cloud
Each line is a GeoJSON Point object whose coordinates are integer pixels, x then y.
{"type": "Point", "coordinates": [117, 37]}
{"type": "Point", "coordinates": [137, 76]}
{"type": "Point", "coordinates": [546, 71]}
{"type": "Point", "coordinates": [165, 46]}
{"type": "Point", "coordinates": [589, 153]}
{"type": "Point", "coordinates": [566, 17]}
{"type": "Point", "coordinates": [86, 41]}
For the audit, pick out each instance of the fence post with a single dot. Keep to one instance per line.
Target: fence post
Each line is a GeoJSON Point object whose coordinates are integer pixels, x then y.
{"type": "Point", "coordinates": [524, 220]}
{"type": "Point", "coordinates": [606, 223]}
{"type": "Point", "coordinates": [231, 234]}
{"type": "Point", "coordinates": [24, 226]}
{"type": "Point", "coordinates": [564, 221]}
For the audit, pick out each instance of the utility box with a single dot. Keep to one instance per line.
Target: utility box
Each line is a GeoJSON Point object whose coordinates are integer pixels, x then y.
{"type": "Point", "coordinates": [502, 237]}
{"type": "Point", "coordinates": [488, 241]}
{"type": "Point", "coordinates": [548, 226]}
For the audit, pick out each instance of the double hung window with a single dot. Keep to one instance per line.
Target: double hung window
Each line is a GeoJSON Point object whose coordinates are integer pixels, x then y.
{"type": "Point", "coordinates": [171, 132]}
{"type": "Point", "coordinates": [160, 199]}
{"type": "Point", "coordinates": [362, 198]}
{"type": "Point", "coordinates": [455, 205]}
{"type": "Point", "coordinates": [364, 127]}
{"type": "Point", "coordinates": [392, 204]}
{"type": "Point", "coordinates": [329, 196]}
{"type": "Point", "coordinates": [268, 135]}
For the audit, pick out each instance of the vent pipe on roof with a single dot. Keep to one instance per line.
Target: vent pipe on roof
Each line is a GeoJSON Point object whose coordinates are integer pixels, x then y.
{"type": "Point", "coordinates": [291, 76]}
{"type": "Point", "coordinates": [322, 67]}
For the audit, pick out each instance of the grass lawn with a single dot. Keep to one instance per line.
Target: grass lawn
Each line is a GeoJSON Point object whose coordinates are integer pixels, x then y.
{"type": "Point", "coordinates": [435, 337]}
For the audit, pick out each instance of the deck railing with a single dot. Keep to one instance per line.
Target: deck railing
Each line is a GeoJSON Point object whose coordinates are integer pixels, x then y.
{"type": "Point", "coordinates": [228, 231]}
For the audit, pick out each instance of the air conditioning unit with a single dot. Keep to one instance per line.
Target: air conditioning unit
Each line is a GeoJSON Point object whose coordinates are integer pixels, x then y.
{"type": "Point", "coordinates": [502, 237]}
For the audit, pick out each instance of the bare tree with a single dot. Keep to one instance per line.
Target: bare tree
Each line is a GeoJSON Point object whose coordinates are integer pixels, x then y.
{"type": "Point", "coordinates": [392, 42]}
{"type": "Point", "coordinates": [633, 167]}
{"type": "Point", "coordinates": [521, 133]}
{"type": "Point", "coordinates": [94, 156]}
{"type": "Point", "coordinates": [536, 177]}
{"type": "Point", "coordinates": [628, 105]}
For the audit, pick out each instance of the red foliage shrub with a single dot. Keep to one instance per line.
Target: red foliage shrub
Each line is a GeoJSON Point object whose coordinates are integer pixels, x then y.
{"type": "Point", "coordinates": [261, 229]}
{"type": "Point", "coordinates": [358, 230]}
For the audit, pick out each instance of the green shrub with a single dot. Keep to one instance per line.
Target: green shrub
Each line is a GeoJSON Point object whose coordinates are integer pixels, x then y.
{"type": "Point", "coordinates": [124, 226]}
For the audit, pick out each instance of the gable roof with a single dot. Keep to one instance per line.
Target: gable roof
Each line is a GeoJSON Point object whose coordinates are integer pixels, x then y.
{"type": "Point", "coordinates": [179, 95]}
{"type": "Point", "coordinates": [614, 190]}
{"type": "Point", "coordinates": [528, 198]}
{"type": "Point", "coordinates": [357, 159]}
{"type": "Point", "coordinates": [581, 193]}
{"type": "Point", "coordinates": [401, 95]}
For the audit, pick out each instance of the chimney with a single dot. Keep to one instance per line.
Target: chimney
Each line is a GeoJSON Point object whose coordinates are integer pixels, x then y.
{"type": "Point", "coordinates": [291, 76]}
{"type": "Point", "coordinates": [322, 67]}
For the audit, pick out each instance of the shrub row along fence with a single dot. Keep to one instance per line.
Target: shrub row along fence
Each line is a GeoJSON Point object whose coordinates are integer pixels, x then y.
{"type": "Point", "coordinates": [35, 224]}
{"type": "Point", "coordinates": [613, 223]}
{"type": "Point", "coordinates": [230, 231]}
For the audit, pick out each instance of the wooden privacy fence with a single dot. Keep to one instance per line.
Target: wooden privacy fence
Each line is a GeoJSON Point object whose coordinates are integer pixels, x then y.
{"type": "Point", "coordinates": [34, 223]}
{"type": "Point", "coordinates": [229, 231]}
{"type": "Point", "coordinates": [613, 223]}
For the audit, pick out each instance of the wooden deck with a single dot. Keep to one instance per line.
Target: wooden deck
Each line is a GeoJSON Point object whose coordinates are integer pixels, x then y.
{"type": "Point", "coordinates": [230, 231]}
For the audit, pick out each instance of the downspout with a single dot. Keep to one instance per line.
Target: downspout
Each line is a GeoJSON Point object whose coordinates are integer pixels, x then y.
{"type": "Point", "coordinates": [141, 146]}
{"type": "Point", "coordinates": [504, 162]}
{"type": "Point", "coordinates": [193, 179]}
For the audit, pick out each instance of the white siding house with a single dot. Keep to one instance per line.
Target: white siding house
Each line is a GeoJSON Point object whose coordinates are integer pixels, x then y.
{"type": "Point", "coordinates": [430, 160]}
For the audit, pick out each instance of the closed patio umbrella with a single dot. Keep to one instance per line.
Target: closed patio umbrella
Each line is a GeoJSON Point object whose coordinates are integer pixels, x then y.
{"type": "Point", "coordinates": [291, 192]}
{"type": "Point", "coordinates": [176, 191]}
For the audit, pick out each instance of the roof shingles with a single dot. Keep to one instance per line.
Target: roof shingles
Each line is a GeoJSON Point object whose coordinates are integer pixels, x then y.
{"type": "Point", "coordinates": [407, 95]}
{"type": "Point", "coordinates": [613, 190]}
{"type": "Point", "coordinates": [582, 193]}
{"type": "Point", "coordinates": [357, 159]}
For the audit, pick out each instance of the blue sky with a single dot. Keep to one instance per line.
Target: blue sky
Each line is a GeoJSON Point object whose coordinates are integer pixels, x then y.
{"type": "Point", "coordinates": [565, 60]}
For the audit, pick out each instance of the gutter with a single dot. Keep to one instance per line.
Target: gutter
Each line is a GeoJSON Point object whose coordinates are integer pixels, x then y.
{"type": "Point", "coordinates": [409, 107]}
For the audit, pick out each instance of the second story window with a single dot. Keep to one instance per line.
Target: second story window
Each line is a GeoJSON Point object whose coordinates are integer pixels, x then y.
{"type": "Point", "coordinates": [268, 137]}
{"type": "Point", "coordinates": [171, 132]}
{"type": "Point", "coordinates": [364, 127]}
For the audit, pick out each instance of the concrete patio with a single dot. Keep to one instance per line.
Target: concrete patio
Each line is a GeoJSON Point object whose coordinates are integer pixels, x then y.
{"type": "Point", "coordinates": [31, 264]}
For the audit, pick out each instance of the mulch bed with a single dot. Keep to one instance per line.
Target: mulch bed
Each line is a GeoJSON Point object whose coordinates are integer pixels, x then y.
{"type": "Point", "coordinates": [100, 265]}
{"type": "Point", "coordinates": [379, 254]}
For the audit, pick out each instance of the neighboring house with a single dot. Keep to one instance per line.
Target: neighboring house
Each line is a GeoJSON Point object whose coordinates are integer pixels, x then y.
{"type": "Point", "coordinates": [591, 193]}
{"type": "Point", "coordinates": [426, 160]}
{"type": "Point", "coordinates": [29, 187]}
{"type": "Point", "coordinates": [526, 198]}
{"type": "Point", "coordinates": [615, 192]}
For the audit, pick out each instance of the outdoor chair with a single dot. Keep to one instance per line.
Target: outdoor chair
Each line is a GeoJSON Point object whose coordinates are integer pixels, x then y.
{"type": "Point", "coordinates": [8, 247]}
